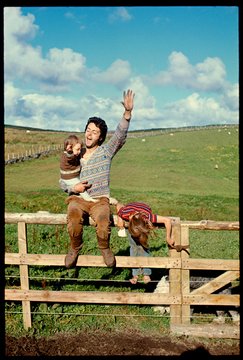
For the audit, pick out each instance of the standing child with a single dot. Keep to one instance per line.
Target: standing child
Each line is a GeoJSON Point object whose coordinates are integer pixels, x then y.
{"type": "Point", "coordinates": [70, 165]}
{"type": "Point", "coordinates": [141, 221]}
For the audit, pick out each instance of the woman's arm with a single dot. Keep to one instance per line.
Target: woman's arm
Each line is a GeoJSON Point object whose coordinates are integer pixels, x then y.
{"type": "Point", "coordinates": [119, 137]}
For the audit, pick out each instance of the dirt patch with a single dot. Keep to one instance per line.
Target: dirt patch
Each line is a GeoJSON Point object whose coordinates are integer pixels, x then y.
{"type": "Point", "coordinates": [115, 343]}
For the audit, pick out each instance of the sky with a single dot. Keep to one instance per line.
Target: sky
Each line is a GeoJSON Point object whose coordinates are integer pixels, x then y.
{"type": "Point", "coordinates": [63, 65]}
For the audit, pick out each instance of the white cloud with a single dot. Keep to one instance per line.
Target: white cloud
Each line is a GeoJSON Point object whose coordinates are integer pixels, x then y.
{"type": "Point", "coordinates": [71, 16]}
{"type": "Point", "coordinates": [195, 110]}
{"type": "Point", "coordinates": [121, 14]}
{"type": "Point", "coordinates": [34, 90]}
{"type": "Point", "coordinates": [17, 26]}
{"type": "Point", "coordinates": [208, 75]}
{"type": "Point", "coordinates": [65, 65]}
{"type": "Point", "coordinates": [118, 73]}
{"type": "Point", "coordinates": [18, 30]}
{"type": "Point", "coordinates": [57, 112]}
{"type": "Point", "coordinates": [230, 97]}
{"type": "Point", "coordinates": [11, 95]}
{"type": "Point", "coordinates": [37, 110]}
{"type": "Point", "coordinates": [60, 68]}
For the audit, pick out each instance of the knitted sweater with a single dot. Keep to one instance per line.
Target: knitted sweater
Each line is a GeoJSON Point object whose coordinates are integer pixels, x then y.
{"type": "Point", "coordinates": [96, 169]}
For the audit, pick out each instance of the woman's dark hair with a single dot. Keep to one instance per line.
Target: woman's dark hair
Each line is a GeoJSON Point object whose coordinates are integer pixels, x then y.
{"type": "Point", "coordinates": [139, 228]}
{"type": "Point", "coordinates": [101, 124]}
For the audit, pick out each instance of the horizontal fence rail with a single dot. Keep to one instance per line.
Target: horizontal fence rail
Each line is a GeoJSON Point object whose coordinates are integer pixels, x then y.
{"type": "Point", "coordinates": [179, 298]}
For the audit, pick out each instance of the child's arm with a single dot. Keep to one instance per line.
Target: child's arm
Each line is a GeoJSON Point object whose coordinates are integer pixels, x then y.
{"type": "Point", "coordinates": [120, 221]}
{"type": "Point", "coordinates": [168, 226]}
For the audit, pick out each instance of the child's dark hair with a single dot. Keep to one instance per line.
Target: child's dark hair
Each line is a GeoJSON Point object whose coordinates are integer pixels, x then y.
{"type": "Point", "coordinates": [71, 140]}
{"type": "Point", "coordinates": [101, 124]}
{"type": "Point", "coordinates": [140, 227]}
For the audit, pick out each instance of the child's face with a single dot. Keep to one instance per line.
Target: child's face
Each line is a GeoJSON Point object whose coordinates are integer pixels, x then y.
{"type": "Point", "coordinates": [77, 149]}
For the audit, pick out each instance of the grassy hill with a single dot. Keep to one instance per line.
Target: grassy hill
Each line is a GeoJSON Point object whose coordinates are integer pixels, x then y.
{"type": "Point", "coordinates": [175, 172]}
{"type": "Point", "coordinates": [191, 174]}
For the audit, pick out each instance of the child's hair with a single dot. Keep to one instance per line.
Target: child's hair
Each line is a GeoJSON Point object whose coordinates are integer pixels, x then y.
{"type": "Point", "coordinates": [71, 140]}
{"type": "Point", "coordinates": [139, 227]}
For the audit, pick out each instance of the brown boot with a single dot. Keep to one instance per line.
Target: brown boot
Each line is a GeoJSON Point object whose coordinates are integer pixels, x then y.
{"type": "Point", "coordinates": [108, 256]}
{"type": "Point", "coordinates": [71, 258]}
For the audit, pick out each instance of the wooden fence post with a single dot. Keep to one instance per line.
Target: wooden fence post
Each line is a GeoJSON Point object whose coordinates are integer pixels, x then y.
{"type": "Point", "coordinates": [175, 274]}
{"type": "Point", "coordinates": [185, 277]}
{"type": "Point", "coordinates": [24, 274]}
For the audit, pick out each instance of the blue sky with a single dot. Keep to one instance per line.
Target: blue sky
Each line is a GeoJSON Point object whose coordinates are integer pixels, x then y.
{"type": "Point", "coordinates": [63, 65]}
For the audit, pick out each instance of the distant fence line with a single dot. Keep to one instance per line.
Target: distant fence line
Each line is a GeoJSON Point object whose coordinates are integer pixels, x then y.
{"type": "Point", "coordinates": [35, 152]}
{"type": "Point", "coordinates": [156, 132]}
{"type": "Point", "coordinates": [32, 153]}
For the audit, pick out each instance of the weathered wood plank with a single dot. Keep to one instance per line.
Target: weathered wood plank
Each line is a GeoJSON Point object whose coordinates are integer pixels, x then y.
{"type": "Point", "coordinates": [207, 330]}
{"type": "Point", "coordinates": [40, 217]}
{"type": "Point", "coordinates": [45, 217]}
{"type": "Point", "coordinates": [24, 273]}
{"type": "Point", "coordinates": [185, 277]}
{"type": "Point", "coordinates": [216, 283]}
{"type": "Point", "coordinates": [92, 260]}
{"type": "Point", "coordinates": [175, 275]}
{"type": "Point", "coordinates": [104, 297]}
{"type": "Point", "coordinates": [94, 297]}
{"type": "Point", "coordinates": [212, 299]}
{"type": "Point", "coordinates": [212, 225]}
{"type": "Point", "coordinates": [210, 264]}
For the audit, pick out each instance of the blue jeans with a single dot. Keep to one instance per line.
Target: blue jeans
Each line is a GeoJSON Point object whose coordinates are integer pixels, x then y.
{"type": "Point", "coordinates": [138, 250]}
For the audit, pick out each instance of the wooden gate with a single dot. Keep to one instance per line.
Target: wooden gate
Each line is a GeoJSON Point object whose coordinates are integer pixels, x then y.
{"type": "Point", "coordinates": [179, 264]}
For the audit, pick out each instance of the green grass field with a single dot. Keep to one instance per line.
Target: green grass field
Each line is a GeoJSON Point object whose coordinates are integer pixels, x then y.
{"type": "Point", "coordinates": [176, 174]}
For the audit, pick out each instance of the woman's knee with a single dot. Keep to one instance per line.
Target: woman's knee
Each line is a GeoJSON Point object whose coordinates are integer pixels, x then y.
{"type": "Point", "coordinates": [74, 221]}
{"type": "Point", "coordinates": [103, 228]}
{"type": "Point", "coordinates": [103, 232]}
{"type": "Point", "coordinates": [74, 214]}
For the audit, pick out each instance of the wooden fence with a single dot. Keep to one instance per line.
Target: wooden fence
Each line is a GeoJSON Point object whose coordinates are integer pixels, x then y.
{"type": "Point", "coordinates": [180, 298]}
{"type": "Point", "coordinates": [31, 153]}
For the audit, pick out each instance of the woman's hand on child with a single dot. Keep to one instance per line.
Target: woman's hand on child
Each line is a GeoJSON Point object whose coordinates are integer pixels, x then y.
{"type": "Point", "coordinates": [82, 186]}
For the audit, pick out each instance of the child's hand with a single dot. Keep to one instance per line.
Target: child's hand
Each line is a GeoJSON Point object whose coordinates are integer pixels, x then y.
{"type": "Point", "coordinates": [69, 148]}
{"type": "Point", "coordinates": [170, 242]}
{"type": "Point", "coordinates": [76, 149]}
